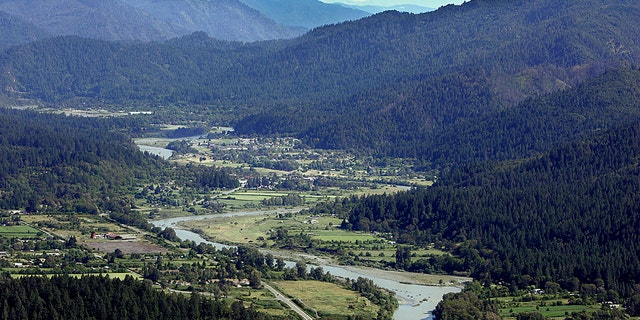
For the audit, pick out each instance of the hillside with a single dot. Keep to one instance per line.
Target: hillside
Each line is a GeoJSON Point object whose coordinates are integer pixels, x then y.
{"type": "Point", "coordinates": [568, 216]}
{"type": "Point", "coordinates": [143, 20]}
{"type": "Point", "coordinates": [14, 31]}
{"type": "Point", "coordinates": [65, 163]}
{"type": "Point", "coordinates": [393, 83]}
{"type": "Point", "coordinates": [221, 19]}
{"type": "Point", "coordinates": [308, 13]}
{"type": "Point", "coordinates": [402, 8]}
{"type": "Point", "coordinates": [105, 19]}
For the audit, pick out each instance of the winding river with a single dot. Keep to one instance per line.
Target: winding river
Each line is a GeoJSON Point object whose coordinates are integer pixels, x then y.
{"type": "Point", "coordinates": [416, 301]}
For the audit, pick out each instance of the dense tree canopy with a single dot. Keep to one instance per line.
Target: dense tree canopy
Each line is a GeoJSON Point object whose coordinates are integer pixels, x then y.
{"type": "Point", "coordinates": [570, 213]}
{"type": "Point", "coordinates": [386, 83]}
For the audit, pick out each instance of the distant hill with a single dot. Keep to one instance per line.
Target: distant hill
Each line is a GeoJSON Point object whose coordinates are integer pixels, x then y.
{"type": "Point", "coordinates": [221, 19]}
{"type": "Point", "coordinates": [14, 31]}
{"type": "Point", "coordinates": [567, 216]}
{"type": "Point", "coordinates": [394, 84]}
{"type": "Point", "coordinates": [411, 8]}
{"type": "Point", "coordinates": [305, 13]}
{"type": "Point", "coordinates": [97, 19]}
{"type": "Point", "coordinates": [144, 20]}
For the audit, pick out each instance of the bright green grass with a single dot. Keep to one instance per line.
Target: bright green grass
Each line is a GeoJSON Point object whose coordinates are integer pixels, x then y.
{"type": "Point", "coordinates": [18, 231]}
{"type": "Point", "coordinates": [328, 298]}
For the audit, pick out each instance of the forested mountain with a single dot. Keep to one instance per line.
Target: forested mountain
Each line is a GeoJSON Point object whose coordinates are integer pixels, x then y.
{"type": "Point", "coordinates": [568, 216]}
{"type": "Point", "coordinates": [66, 164]}
{"type": "Point", "coordinates": [305, 13]}
{"type": "Point", "coordinates": [14, 31]}
{"type": "Point", "coordinates": [221, 19]}
{"type": "Point", "coordinates": [97, 19]}
{"type": "Point", "coordinates": [402, 8]}
{"type": "Point", "coordinates": [55, 163]}
{"type": "Point", "coordinates": [456, 64]}
{"type": "Point", "coordinates": [386, 83]}
{"type": "Point", "coordinates": [144, 20]}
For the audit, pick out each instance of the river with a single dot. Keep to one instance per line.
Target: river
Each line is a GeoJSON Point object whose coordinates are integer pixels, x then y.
{"type": "Point", "coordinates": [147, 144]}
{"type": "Point", "coordinates": [162, 152]}
{"type": "Point", "coordinates": [416, 301]}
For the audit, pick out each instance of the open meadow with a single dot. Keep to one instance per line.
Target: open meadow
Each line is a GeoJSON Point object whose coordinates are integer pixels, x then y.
{"type": "Point", "coordinates": [328, 299]}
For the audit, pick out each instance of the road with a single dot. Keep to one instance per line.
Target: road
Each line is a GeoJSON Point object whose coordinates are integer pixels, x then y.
{"type": "Point", "coordinates": [286, 300]}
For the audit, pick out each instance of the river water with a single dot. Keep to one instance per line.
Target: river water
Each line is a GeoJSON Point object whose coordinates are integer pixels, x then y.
{"type": "Point", "coordinates": [146, 144]}
{"type": "Point", "coordinates": [416, 301]}
{"type": "Point", "coordinates": [162, 152]}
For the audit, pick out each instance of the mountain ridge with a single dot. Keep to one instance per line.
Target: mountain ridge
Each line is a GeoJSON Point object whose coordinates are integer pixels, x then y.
{"type": "Point", "coordinates": [385, 83]}
{"type": "Point", "coordinates": [142, 20]}
{"type": "Point", "coordinates": [308, 13]}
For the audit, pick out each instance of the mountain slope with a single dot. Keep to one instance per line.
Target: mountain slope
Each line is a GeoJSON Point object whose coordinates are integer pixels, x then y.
{"type": "Point", "coordinates": [409, 68]}
{"type": "Point", "coordinates": [104, 19]}
{"type": "Point", "coordinates": [221, 19]}
{"type": "Point", "coordinates": [305, 13]}
{"type": "Point", "coordinates": [14, 31]}
{"type": "Point", "coordinates": [567, 214]}
{"type": "Point", "coordinates": [401, 7]}
{"type": "Point", "coordinates": [391, 83]}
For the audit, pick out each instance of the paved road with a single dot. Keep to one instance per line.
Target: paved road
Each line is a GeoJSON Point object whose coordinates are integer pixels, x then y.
{"type": "Point", "coordinates": [286, 300]}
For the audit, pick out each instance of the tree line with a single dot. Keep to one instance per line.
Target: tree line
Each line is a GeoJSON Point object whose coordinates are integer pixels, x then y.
{"type": "Point", "coordinates": [100, 297]}
{"type": "Point", "coordinates": [567, 216]}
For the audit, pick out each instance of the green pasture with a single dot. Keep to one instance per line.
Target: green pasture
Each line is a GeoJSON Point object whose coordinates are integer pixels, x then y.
{"type": "Point", "coordinates": [242, 229]}
{"type": "Point", "coordinates": [511, 309]}
{"type": "Point", "coordinates": [550, 312]}
{"type": "Point", "coordinates": [79, 226]}
{"type": "Point", "coordinates": [328, 299]}
{"type": "Point", "coordinates": [18, 231]}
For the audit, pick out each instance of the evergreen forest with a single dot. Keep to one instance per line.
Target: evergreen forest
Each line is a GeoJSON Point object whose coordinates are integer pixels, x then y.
{"type": "Point", "coordinates": [524, 114]}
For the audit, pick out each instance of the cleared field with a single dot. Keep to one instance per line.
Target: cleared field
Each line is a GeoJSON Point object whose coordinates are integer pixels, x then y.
{"type": "Point", "coordinates": [18, 231]}
{"type": "Point", "coordinates": [244, 229]}
{"type": "Point", "coordinates": [328, 298]}
{"type": "Point", "coordinates": [79, 226]}
{"type": "Point", "coordinates": [126, 247]}
{"type": "Point", "coordinates": [550, 312]}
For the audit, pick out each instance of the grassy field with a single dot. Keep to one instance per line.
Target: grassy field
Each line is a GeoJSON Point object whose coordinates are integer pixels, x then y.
{"type": "Point", "coordinates": [328, 299]}
{"type": "Point", "coordinates": [548, 308]}
{"type": "Point", "coordinates": [550, 312]}
{"type": "Point", "coordinates": [245, 229]}
{"type": "Point", "coordinates": [79, 226]}
{"type": "Point", "coordinates": [18, 231]}
{"type": "Point", "coordinates": [262, 300]}
{"type": "Point", "coordinates": [258, 228]}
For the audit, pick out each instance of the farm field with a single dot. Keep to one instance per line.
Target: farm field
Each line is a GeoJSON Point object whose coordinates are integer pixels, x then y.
{"type": "Point", "coordinates": [549, 306]}
{"type": "Point", "coordinates": [19, 231]}
{"type": "Point", "coordinates": [328, 299]}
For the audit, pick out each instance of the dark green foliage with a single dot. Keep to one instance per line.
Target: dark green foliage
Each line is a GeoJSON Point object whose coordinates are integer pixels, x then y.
{"type": "Point", "coordinates": [93, 297]}
{"type": "Point", "coordinates": [181, 147]}
{"type": "Point", "coordinates": [186, 132]}
{"type": "Point", "coordinates": [58, 163]}
{"type": "Point", "coordinates": [288, 200]}
{"type": "Point", "coordinates": [536, 125]}
{"type": "Point", "coordinates": [634, 305]}
{"type": "Point", "coordinates": [569, 213]}
{"type": "Point", "coordinates": [53, 163]}
{"type": "Point", "coordinates": [13, 31]}
{"type": "Point", "coordinates": [394, 84]}
{"type": "Point", "coordinates": [531, 315]}
{"type": "Point", "coordinates": [465, 306]}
